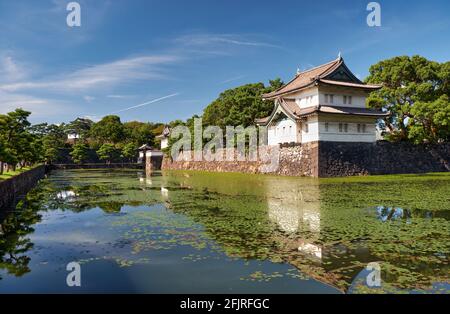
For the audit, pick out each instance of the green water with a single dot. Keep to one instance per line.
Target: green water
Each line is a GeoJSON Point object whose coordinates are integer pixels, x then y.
{"type": "Point", "coordinates": [191, 232]}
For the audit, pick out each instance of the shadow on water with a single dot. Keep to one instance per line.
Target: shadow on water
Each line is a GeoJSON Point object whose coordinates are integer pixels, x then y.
{"type": "Point", "coordinates": [325, 230]}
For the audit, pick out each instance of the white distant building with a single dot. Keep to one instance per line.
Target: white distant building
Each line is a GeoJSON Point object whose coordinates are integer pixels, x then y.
{"type": "Point", "coordinates": [72, 137]}
{"type": "Point", "coordinates": [164, 137]}
{"type": "Point", "coordinates": [325, 103]}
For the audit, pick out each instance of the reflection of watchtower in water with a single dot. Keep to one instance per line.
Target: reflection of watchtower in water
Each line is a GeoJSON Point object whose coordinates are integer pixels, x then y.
{"type": "Point", "coordinates": [150, 157]}
{"type": "Point", "coordinates": [298, 210]}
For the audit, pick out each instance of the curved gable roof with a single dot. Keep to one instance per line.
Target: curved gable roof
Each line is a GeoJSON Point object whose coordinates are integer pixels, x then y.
{"type": "Point", "coordinates": [331, 73]}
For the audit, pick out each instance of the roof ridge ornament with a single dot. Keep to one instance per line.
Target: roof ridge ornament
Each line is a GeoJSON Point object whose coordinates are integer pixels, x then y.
{"type": "Point", "coordinates": [298, 71]}
{"type": "Point", "coordinates": [339, 55]}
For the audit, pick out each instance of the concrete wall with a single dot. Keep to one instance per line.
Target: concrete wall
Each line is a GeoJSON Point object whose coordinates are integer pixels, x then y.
{"type": "Point", "coordinates": [15, 188]}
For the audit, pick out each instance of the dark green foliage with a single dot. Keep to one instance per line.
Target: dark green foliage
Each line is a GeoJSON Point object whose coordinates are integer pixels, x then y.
{"type": "Point", "coordinates": [108, 153]}
{"type": "Point", "coordinates": [79, 153]}
{"type": "Point", "coordinates": [240, 105]}
{"type": "Point", "coordinates": [108, 130]}
{"type": "Point", "coordinates": [415, 91]}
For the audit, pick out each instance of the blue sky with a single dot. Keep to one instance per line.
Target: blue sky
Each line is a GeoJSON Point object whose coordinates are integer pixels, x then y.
{"type": "Point", "coordinates": [175, 57]}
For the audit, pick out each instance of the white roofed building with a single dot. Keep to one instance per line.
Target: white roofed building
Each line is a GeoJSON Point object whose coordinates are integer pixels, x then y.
{"type": "Point", "coordinates": [325, 103]}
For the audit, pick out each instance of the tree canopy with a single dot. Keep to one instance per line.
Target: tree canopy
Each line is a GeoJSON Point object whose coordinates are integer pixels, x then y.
{"type": "Point", "coordinates": [240, 105]}
{"type": "Point", "coordinates": [108, 130]}
{"type": "Point", "coordinates": [416, 93]}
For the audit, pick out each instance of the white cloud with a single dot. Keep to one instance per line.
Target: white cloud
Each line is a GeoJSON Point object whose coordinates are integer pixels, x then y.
{"type": "Point", "coordinates": [10, 70]}
{"type": "Point", "coordinates": [102, 75]}
{"type": "Point", "coordinates": [88, 98]}
{"type": "Point", "coordinates": [119, 96]}
{"type": "Point", "coordinates": [221, 39]}
{"type": "Point", "coordinates": [40, 107]}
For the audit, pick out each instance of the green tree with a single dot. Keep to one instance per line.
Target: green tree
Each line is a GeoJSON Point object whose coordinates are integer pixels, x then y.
{"type": "Point", "coordinates": [107, 152]}
{"type": "Point", "coordinates": [108, 130]}
{"type": "Point", "coordinates": [411, 87]}
{"type": "Point", "coordinates": [431, 121]}
{"type": "Point", "coordinates": [79, 153]}
{"type": "Point", "coordinates": [240, 105]}
{"type": "Point", "coordinates": [52, 142]}
{"type": "Point", "coordinates": [80, 126]}
{"type": "Point", "coordinates": [14, 137]}
{"type": "Point", "coordinates": [129, 151]}
{"type": "Point", "coordinates": [139, 132]}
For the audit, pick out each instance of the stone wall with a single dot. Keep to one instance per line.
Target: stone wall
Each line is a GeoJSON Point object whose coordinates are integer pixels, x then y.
{"type": "Point", "coordinates": [294, 160]}
{"type": "Point", "coordinates": [153, 163]}
{"type": "Point", "coordinates": [15, 188]}
{"type": "Point", "coordinates": [349, 159]}
{"type": "Point", "coordinates": [335, 159]}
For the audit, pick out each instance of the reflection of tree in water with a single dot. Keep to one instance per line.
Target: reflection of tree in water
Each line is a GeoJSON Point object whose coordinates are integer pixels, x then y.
{"type": "Point", "coordinates": [327, 233]}
{"type": "Point", "coordinates": [110, 207]}
{"type": "Point", "coordinates": [81, 194]}
{"type": "Point", "coordinates": [13, 241]}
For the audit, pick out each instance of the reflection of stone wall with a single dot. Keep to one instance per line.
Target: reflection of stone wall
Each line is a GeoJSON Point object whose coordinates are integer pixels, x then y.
{"type": "Point", "coordinates": [333, 159]}
{"type": "Point", "coordinates": [347, 159]}
{"type": "Point", "coordinates": [11, 190]}
{"type": "Point", "coordinates": [96, 166]}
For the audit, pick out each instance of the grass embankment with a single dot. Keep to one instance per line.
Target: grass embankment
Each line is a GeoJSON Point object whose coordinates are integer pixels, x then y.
{"type": "Point", "coordinates": [10, 174]}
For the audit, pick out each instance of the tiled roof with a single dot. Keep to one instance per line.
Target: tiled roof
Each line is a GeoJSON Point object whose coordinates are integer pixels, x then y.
{"type": "Point", "coordinates": [352, 111]}
{"type": "Point", "coordinates": [304, 79]}
{"type": "Point", "coordinates": [317, 75]}
{"type": "Point", "coordinates": [145, 147]}
{"type": "Point", "coordinates": [262, 121]}
{"type": "Point", "coordinates": [340, 83]}
{"type": "Point", "coordinates": [292, 109]}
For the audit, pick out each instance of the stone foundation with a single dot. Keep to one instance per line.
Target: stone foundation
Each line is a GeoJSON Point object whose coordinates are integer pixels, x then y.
{"type": "Point", "coordinates": [153, 163]}
{"type": "Point", "coordinates": [294, 160]}
{"type": "Point", "coordinates": [349, 159]}
{"type": "Point", "coordinates": [337, 159]}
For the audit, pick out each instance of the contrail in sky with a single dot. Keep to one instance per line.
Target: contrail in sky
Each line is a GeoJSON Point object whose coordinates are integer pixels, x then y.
{"type": "Point", "coordinates": [148, 102]}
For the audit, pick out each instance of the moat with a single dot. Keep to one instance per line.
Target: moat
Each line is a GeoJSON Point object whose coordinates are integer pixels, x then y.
{"type": "Point", "coordinates": [193, 232]}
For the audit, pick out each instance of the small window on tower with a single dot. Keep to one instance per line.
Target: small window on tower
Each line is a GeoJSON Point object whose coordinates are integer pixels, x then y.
{"type": "Point", "coordinates": [326, 126]}
{"type": "Point", "coordinates": [326, 98]}
{"type": "Point", "coordinates": [331, 99]}
{"type": "Point", "coordinates": [345, 100]}
{"type": "Point", "coordinates": [345, 127]}
{"type": "Point", "coordinates": [340, 127]}
{"type": "Point", "coordinates": [306, 128]}
{"type": "Point", "coordinates": [364, 128]}
{"type": "Point", "coordinates": [349, 100]}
